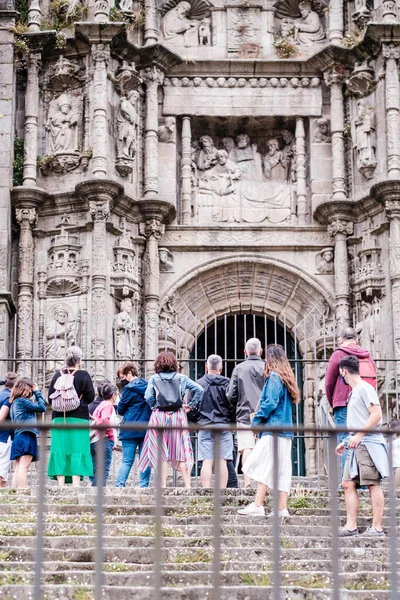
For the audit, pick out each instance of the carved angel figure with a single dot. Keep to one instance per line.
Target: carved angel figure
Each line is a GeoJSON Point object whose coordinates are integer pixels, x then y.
{"type": "Point", "coordinates": [127, 123]}
{"type": "Point", "coordinates": [61, 126]}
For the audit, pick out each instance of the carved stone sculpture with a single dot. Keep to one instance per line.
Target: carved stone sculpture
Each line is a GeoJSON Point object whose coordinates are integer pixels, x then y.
{"type": "Point", "coordinates": [307, 29]}
{"type": "Point", "coordinates": [289, 155]}
{"type": "Point", "coordinates": [166, 133]}
{"type": "Point", "coordinates": [325, 263]}
{"type": "Point", "coordinates": [177, 28]}
{"type": "Point", "coordinates": [205, 32]}
{"type": "Point", "coordinates": [274, 166]}
{"type": "Point", "coordinates": [364, 139]}
{"type": "Point", "coordinates": [322, 133]}
{"type": "Point", "coordinates": [59, 336]}
{"type": "Point", "coordinates": [127, 125]}
{"type": "Point", "coordinates": [61, 126]}
{"type": "Point", "coordinates": [248, 159]}
{"type": "Point", "coordinates": [206, 157]}
{"type": "Point", "coordinates": [123, 330]}
{"type": "Point", "coordinates": [166, 260]}
{"type": "Point", "coordinates": [220, 181]}
{"type": "Point", "coordinates": [369, 328]}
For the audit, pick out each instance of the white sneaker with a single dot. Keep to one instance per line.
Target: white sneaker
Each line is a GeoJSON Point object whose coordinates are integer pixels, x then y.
{"type": "Point", "coordinates": [282, 514]}
{"type": "Point", "coordinates": [252, 510]}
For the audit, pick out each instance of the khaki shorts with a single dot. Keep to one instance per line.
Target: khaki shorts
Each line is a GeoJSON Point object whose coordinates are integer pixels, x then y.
{"type": "Point", "coordinates": [245, 439]}
{"type": "Point", "coordinates": [368, 474]}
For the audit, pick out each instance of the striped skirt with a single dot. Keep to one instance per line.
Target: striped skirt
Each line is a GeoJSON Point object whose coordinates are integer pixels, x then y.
{"type": "Point", "coordinates": [176, 446]}
{"type": "Point", "coordinates": [260, 464]}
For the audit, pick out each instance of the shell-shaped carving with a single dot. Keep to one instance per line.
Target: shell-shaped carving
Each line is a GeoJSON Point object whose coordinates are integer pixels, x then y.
{"type": "Point", "coordinates": [200, 8]}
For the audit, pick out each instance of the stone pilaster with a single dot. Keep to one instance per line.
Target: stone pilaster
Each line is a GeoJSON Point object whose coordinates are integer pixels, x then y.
{"type": "Point", "coordinates": [335, 79]}
{"type": "Point", "coordinates": [336, 21]}
{"type": "Point", "coordinates": [339, 229]}
{"type": "Point", "coordinates": [31, 120]}
{"type": "Point", "coordinates": [150, 25]}
{"type": "Point", "coordinates": [186, 171]}
{"type": "Point", "coordinates": [153, 77]}
{"type": "Point", "coordinates": [301, 172]}
{"type": "Point", "coordinates": [101, 11]}
{"type": "Point", "coordinates": [391, 55]}
{"type": "Point", "coordinates": [26, 218]}
{"type": "Point", "coordinates": [152, 230]}
{"type": "Point", "coordinates": [34, 15]}
{"type": "Point", "coordinates": [100, 56]}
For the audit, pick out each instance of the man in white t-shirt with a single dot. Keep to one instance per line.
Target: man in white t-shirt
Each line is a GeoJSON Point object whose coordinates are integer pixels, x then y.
{"type": "Point", "coordinates": [367, 460]}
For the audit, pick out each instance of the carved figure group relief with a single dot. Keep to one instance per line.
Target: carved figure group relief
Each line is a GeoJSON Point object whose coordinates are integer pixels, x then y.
{"type": "Point", "coordinates": [185, 25]}
{"type": "Point", "coordinates": [234, 182]}
{"type": "Point", "coordinates": [299, 22]}
{"type": "Point", "coordinates": [364, 139]}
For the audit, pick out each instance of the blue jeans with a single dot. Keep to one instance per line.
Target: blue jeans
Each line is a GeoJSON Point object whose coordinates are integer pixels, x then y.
{"type": "Point", "coordinates": [128, 458]}
{"type": "Point", "coordinates": [340, 419]}
{"type": "Point", "coordinates": [108, 450]}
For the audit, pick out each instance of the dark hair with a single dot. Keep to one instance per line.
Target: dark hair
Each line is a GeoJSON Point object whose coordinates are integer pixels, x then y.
{"type": "Point", "coordinates": [108, 390]}
{"type": "Point", "coordinates": [276, 360]}
{"type": "Point", "coordinates": [127, 367]}
{"type": "Point", "coordinates": [99, 386]}
{"type": "Point", "coordinates": [23, 388]}
{"type": "Point", "coordinates": [351, 363]}
{"type": "Point", "coordinates": [166, 363]}
{"type": "Point", "coordinates": [10, 379]}
{"type": "Point", "coordinates": [348, 333]}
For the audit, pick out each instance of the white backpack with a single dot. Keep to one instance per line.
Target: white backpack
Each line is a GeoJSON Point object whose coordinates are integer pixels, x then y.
{"type": "Point", "coordinates": [65, 398]}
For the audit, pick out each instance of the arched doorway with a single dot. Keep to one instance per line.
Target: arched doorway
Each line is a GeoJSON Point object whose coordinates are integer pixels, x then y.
{"type": "Point", "coordinates": [227, 336]}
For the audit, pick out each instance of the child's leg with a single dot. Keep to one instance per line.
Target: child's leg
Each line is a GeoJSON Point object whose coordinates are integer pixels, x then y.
{"type": "Point", "coordinates": [15, 474]}
{"type": "Point", "coordinates": [23, 468]}
{"type": "Point", "coordinates": [76, 480]}
{"type": "Point", "coordinates": [61, 480]}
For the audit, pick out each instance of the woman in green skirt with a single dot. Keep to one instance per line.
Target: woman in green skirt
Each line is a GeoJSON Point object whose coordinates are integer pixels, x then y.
{"type": "Point", "coordinates": [70, 457]}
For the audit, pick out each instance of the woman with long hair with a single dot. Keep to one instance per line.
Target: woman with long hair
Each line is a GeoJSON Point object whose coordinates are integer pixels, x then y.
{"type": "Point", "coordinates": [280, 391]}
{"type": "Point", "coordinates": [70, 457]}
{"type": "Point", "coordinates": [165, 392]}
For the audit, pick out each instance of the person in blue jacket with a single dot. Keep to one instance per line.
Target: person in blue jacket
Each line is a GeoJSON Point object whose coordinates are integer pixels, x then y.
{"type": "Point", "coordinates": [133, 408]}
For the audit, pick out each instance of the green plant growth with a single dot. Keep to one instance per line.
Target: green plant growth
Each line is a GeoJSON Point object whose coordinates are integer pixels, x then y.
{"type": "Point", "coordinates": [366, 583]}
{"type": "Point", "coordinates": [314, 581]}
{"type": "Point", "coordinates": [22, 6]}
{"type": "Point", "coordinates": [83, 594]}
{"type": "Point", "coordinates": [258, 579]}
{"type": "Point", "coordinates": [66, 13]}
{"type": "Point", "coordinates": [300, 502]}
{"type": "Point", "coordinates": [18, 164]}
{"type": "Point", "coordinates": [285, 48]}
{"type": "Point", "coordinates": [199, 556]}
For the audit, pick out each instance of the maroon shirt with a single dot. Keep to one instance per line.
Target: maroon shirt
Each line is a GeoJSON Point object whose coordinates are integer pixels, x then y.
{"type": "Point", "coordinates": [337, 392]}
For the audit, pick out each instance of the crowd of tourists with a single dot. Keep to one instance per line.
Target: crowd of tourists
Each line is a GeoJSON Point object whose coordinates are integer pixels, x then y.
{"type": "Point", "coordinates": [259, 393]}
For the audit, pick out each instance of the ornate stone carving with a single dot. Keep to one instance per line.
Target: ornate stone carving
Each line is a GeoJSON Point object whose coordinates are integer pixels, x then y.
{"type": "Point", "coordinates": [152, 228]}
{"type": "Point", "coordinates": [391, 54]}
{"type": "Point", "coordinates": [369, 327]}
{"type": "Point", "coordinates": [186, 24]}
{"type": "Point", "coordinates": [127, 124]}
{"type": "Point", "coordinates": [61, 126]}
{"type": "Point", "coordinates": [369, 278]}
{"type": "Point", "coordinates": [166, 132]}
{"type": "Point", "coordinates": [243, 28]}
{"type": "Point", "coordinates": [124, 328]}
{"type": "Point", "coordinates": [60, 334]}
{"type": "Point", "coordinates": [125, 269]}
{"type": "Point", "coordinates": [299, 23]}
{"type": "Point", "coordinates": [364, 139]}
{"type": "Point", "coordinates": [65, 75]}
{"type": "Point", "coordinates": [34, 15]}
{"type": "Point", "coordinates": [321, 133]}
{"type": "Point", "coordinates": [339, 226]}
{"type": "Point", "coordinates": [64, 265]}
{"type": "Point", "coordinates": [166, 260]}
{"type": "Point", "coordinates": [362, 13]}
{"type": "Point", "coordinates": [125, 78]}
{"type": "Point", "coordinates": [99, 210]}
{"type": "Point", "coordinates": [325, 264]}
{"type": "Point", "coordinates": [362, 80]}
{"type": "Point", "coordinates": [101, 11]}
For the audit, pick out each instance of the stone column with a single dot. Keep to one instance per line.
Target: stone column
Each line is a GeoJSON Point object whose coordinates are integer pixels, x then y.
{"type": "Point", "coordinates": [301, 172]}
{"type": "Point", "coordinates": [150, 25]}
{"type": "Point", "coordinates": [152, 77]}
{"type": "Point", "coordinates": [100, 56]}
{"type": "Point", "coordinates": [335, 79]}
{"type": "Point", "coordinates": [339, 230]}
{"type": "Point", "coordinates": [101, 11]}
{"type": "Point", "coordinates": [186, 171]}
{"type": "Point", "coordinates": [26, 218]}
{"type": "Point", "coordinates": [393, 212]}
{"type": "Point", "coordinates": [34, 15]}
{"type": "Point", "coordinates": [336, 21]}
{"type": "Point", "coordinates": [31, 120]}
{"type": "Point", "coordinates": [153, 230]}
{"type": "Point", "coordinates": [391, 54]}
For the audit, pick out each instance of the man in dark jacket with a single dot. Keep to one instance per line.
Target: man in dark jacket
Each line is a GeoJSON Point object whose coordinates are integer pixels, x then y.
{"type": "Point", "coordinates": [337, 390]}
{"type": "Point", "coordinates": [244, 393]}
{"type": "Point", "coordinates": [214, 409]}
{"type": "Point", "coordinates": [134, 408]}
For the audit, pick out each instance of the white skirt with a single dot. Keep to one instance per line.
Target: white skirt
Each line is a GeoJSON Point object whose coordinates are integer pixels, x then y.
{"type": "Point", "coordinates": [260, 464]}
{"type": "Point", "coordinates": [5, 450]}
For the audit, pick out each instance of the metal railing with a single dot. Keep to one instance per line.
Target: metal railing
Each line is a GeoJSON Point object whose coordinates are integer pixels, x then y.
{"type": "Point", "coordinates": [326, 432]}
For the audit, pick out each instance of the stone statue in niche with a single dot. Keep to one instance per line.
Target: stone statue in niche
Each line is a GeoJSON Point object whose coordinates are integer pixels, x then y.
{"type": "Point", "coordinates": [123, 330]}
{"type": "Point", "coordinates": [325, 263]}
{"type": "Point", "coordinates": [61, 126]}
{"type": "Point", "coordinates": [166, 260]}
{"type": "Point", "coordinates": [364, 139]}
{"type": "Point", "coordinates": [274, 165]}
{"type": "Point", "coordinates": [59, 336]}
{"type": "Point", "coordinates": [179, 30]}
{"type": "Point", "coordinates": [127, 124]}
{"type": "Point", "coordinates": [321, 132]}
{"type": "Point", "coordinates": [369, 328]}
{"type": "Point", "coordinates": [305, 29]}
{"type": "Point", "coordinates": [166, 133]}
{"type": "Point", "coordinates": [248, 159]}
{"type": "Point", "coordinates": [289, 155]}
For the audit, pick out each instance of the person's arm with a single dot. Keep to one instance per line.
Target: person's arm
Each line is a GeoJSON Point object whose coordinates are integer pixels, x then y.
{"type": "Point", "coordinates": [332, 373]}
{"type": "Point", "coordinates": [103, 416]}
{"type": "Point", "coordinates": [32, 406]}
{"type": "Point", "coordinates": [232, 392]}
{"type": "Point", "coordinates": [197, 392]}
{"type": "Point", "coordinates": [5, 410]}
{"type": "Point", "coordinates": [269, 399]}
{"type": "Point", "coordinates": [375, 415]}
{"type": "Point", "coordinates": [123, 403]}
{"type": "Point", "coordinates": [149, 394]}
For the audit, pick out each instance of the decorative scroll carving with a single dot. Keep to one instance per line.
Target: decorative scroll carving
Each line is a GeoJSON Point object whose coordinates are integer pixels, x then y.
{"type": "Point", "coordinates": [364, 139]}
{"type": "Point", "coordinates": [339, 226]}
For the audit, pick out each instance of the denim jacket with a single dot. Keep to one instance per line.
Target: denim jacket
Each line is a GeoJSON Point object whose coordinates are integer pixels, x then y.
{"type": "Point", "coordinates": [186, 384]}
{"type": "Point", "coordinates": [275, 406]}
{"type": "Point", "coordinates": [24, 411]}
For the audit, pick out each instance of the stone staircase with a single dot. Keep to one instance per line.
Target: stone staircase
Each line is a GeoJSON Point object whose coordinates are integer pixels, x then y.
{"type": "Point", "coordinates": [246, 547]}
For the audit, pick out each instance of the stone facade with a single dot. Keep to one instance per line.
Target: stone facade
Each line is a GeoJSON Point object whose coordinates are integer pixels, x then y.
{"type": "Point", "coordinates": [193, 160]}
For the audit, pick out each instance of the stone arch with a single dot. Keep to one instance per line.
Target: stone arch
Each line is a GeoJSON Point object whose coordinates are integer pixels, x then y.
{"type": "Point", "coordinates": [252, 284]}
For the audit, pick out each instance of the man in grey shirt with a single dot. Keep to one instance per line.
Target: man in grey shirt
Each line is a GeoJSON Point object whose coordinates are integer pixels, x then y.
{"type": "Point", "coordinates": [244, 393]}
{"type": "Point", "coordinates": [367, 461]}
